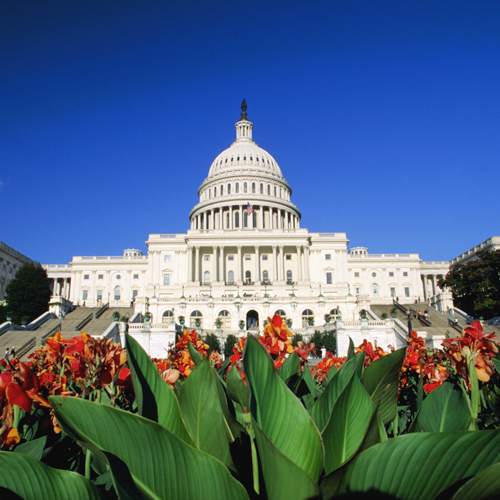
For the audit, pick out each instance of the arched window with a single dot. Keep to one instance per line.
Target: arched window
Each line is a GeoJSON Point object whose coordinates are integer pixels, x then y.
{"type": "Point", "coordinates": [210, 193]}
{"type": "Point", "coordinates": [261, 188]}
{"type": "Point", "coordinates": [307, 318]}
{"type": "Point", "coordinates": [245, 219]}
{"type": "Point", "coordinates": [281, 312]}
{"type": "Point", "coordinates": [229, 189]}
{"type": "Point", "coordinates": [215, 192]}
{"type": "Point", "coordinates": [244, 187]}
{"type": "Point", "coordinates": [289, 277]}
{"type": "Point", "coordinates": [375, 290]}
{"type": "Point", "coordinates": [335, 314]}
{"type": "Point", "coordinates": [254, 219]}
{"type": "Point", "coordinates": [221, 190]}
{"type": "Point", "coordinates": [236, 219]}
{"type": "Point", "coordinates": [265, 275]}
{"type": "Point", "coordinates": [196, 317]}
{"type": "Point", "coordinates": [225, 316]}
{"type": "Point", "coordinates": [237, 187]}
{"type": "Point", "coordinates": [206, 278]}
{"type": "Point", "coordinates": [253, 187]}
{"type": "Point", "coordinates": [118, 293]}
{"type": "Point", "coordinates": [269, 190]}
{"type": "Point", "coordinates": [227, 220]}
{"type": "Point", "coordinates": [248, 277]}
{"type": "Point", "coordinates": [275, 191]}
{"type": "Point", "coordinates": [230, 278]}
{"type": "Point", "coordinates": [167, 317]}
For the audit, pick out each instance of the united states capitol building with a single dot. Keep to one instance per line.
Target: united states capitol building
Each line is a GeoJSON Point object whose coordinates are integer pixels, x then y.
{"type": "Point", "coordinates": [247, 256]}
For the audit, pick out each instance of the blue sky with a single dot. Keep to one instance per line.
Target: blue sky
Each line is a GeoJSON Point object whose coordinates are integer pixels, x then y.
{"type": "Point", "coordinates": [383, 116]}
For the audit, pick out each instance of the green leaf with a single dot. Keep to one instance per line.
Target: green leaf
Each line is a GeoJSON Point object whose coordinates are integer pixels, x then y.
{"type": "Point", "coordinates": [33, 449]}
{"type": "Point", "coordinates": [380, 379]}
{"type": "Point", "coordinates": [348, 424]}
{"type": "Point", "coordinates": [483, 486]}
{"type": "Point", "coordinates": [309, 380]}
{"type": "Point", "coordinates": [350, 350]}
{"type": "Point", "coordinates": [360, 363]}
{"type": "Point", "coordinates": [284, 480]}
{"type": "Point", "coordinates": [155, 399]}
{"type": "Point", "coordinates": [443, 410]}
{"type": "Point", "coordinates": [289, 368]}
{"type": "Point", "coordinates": [322, 409]}
{"type": "Point", "coordinates": [202, 413]}
{"type": "Point", "coordinates": [233, 426]}
{"type": "Point", "coordinates": [195, 355]}
{"type": "Point", "coordinates": [279, 414]}
{"type": "Point", "coordinates": [160, 464]}
{"type": "Point", "coordinates": [236, 388]}
{"type": "Point", "coordinates": [375, 434]}
{"type": "Point", "coordinates": [416, 466]}
{"type": "Point", "coordinates": [31, 479]}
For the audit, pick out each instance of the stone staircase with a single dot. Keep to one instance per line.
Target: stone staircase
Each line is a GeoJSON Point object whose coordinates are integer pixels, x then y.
{"type": "Point", "coordinates": [98, 326]}
{"type": "Point", "coordinates": [438, 320]}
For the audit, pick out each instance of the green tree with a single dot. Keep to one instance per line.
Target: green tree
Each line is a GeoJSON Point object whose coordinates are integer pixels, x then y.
{"type": "Point", "coordinates": [228, 346]}
{"type": "Point", "coordinates": [329, 342]}
{"type": "Point", "coordinates": [317, 339]}
{"type": "Point", "coordinates": [298, 337]}
{"type": "Point", "coordinates": [213, 342]}
{"type": "Point", "coordinates": [476, 285]}
{"type": "Point", "coordinates": [28, 294]}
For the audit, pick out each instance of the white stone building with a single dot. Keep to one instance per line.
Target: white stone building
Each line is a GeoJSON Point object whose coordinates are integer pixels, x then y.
{"type": "Point", "coordinates": [10, 262]}
{"type": "Point", "coordinates": [245, 257]}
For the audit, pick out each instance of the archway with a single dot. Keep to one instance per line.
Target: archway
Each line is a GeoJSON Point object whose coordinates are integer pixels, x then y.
{"type": "Point", "coordinates": [252, 319]}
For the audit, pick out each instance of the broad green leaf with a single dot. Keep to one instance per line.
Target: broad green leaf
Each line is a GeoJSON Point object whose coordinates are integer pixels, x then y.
{"type": "Point", "coordinates": [321, 410]}
{"type": "Point", "coordinates": [236, 388]}
{"type": "Point", "coordinates": [155, 399]}
{"type": "Point", "coordinates": [33, 480]}
{"type": "Point", "coordinates": [195, 355]}
{"type": "Point", "coordinates": [309, 381]}
{"type": "Point", "coordinates": [233, 426]}
{"type": "Point", "coordinates": [348, 424]}
{"type": "Point", "coordinates": [360, 363]}
{"type": "Point", "coordinates": [284, 480]}
{"type": "Point", "coordinates": [161, 465]}
{"type": "Point", "coordinates": [375, 434]}
{"type": "Point", "coordinates": [202, 413]}
{"type": "Point", "coordinates": [289, 368]}
{"type": "Point", "coordinates": [350, 350]}
{"type": "Point", "coordinates": [483, 486]}
{"type": "Point", "coordinates": [380, 379]}
{"type": "Point", "coordinates": [496, 362]}
{"type": "Point", "coordinates": [33, 449]}
{"type": "Point", "coordinates": [443, 410]}
{"type": "Point", "coordinates": [416, 466]}
{"type": "Point", "coordinates": [279, 413]}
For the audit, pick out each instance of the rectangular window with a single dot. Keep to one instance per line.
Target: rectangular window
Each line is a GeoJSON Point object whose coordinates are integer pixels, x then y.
{"type": "Point", "coordinates": [167, 258]}
{"type": "Point", "coordinates": [85, 276]}
{"type": "Point", "coordinates": [328, 278]}
{"type": "Point", "coordinates": [166, 279]}
{"type": "Point", "coordinates": [407, 291]}
{"type": "Point", "coordinates": [288, 256]}
{"type": "Point", "coordinates": [84, 294]}
{"type": "Point", "coordinates": [391, 274]}
{"type": "Point", "coordinates": [405, 273]}
{"type": "Point", "coordinates": [206, 257]}
{"type": "Point", "coordinates": [356, 275]}
{"type": "Point", "coordinates": [393, 292]}
{"type": "Point", "coordinates": [230, 257]}
{"type": "Point", "coordinates": [328, 256]}
{"type": "Point", "coordinates": [100, 276]}
{"type": "Point", "coordinates": [136, 276]}
{"type": "Point", "coordinates": [358, 291]}
{"type": "Point", "coordinates": [134, 293]}
{"type": "Point", "coordinates": [264, 257]}
{"type": "Point", "coordinates": [247, 256]}
{"type": "Point", "coordinates": [99, 294]}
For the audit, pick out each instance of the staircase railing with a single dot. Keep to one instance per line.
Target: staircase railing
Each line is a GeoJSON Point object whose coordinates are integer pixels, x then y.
{"type": "Point", "coordinates": [103, 309]}
{"type": "Point", "coordinates": [399, 306]}
{"type": "Point", "coordinates": [82, 323]}
{"type": "Point", "coordinates": [26, 347]}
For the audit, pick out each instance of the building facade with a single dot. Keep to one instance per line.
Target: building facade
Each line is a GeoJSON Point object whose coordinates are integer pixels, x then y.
{"type": "Point", "coordinates": [245, 257]}
{"type": "Point", "coordinates": [10, 262]}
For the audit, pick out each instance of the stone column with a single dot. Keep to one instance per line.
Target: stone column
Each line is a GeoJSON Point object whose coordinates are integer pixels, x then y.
{"type": "Point", "coordinates": [197, 265]}
{"type": "Point", "coordinates": [239, 262]}
{"type": "Point", "coordinates": [434, 285]}
{"type": "Point", "coordinates": [189, 267]}
{"type": "Point", "coordinates": [280, 220]}
{"type": "Point", "coordinates": [205, 220]}
{"type": "Point", "coordinates": [261, 217]}
{"type": "Point", "coordinates": [306, 262]}
{"type": "Point", "coordinates": [299, 262]}
{"type": "Point", "coordinates": [257, 265]}
{"type": "Point", "coordinates": [215, 274]}
{"type": "Point", "coordinates": [275, 265]}
{"type": "Point", "coordinates": [426, 293]}
{"type": "Point", "coordinates": [282, 263]}
{"type": "Point", "coordinates": [222, 271]}
{"type": "Point", "coordinates": [241, 216]}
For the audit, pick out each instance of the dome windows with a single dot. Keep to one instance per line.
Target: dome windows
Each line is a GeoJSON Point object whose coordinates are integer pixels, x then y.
{"type": "Point", "coordinates": [237, 187]}
{"type": "Point", "coordinates": [253, 187]}
{"type": "Point", "coordinates": [245, 187]}
{"type": "Point", "coordinates": [261, 188]}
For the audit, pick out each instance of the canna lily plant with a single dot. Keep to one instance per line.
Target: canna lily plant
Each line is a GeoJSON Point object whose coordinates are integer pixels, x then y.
{"type": "Point", "coordinates": [274, 434]}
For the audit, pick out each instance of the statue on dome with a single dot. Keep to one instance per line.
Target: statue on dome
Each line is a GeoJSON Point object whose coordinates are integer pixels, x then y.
{"type": "Point", "coordinates": [244, 110]}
